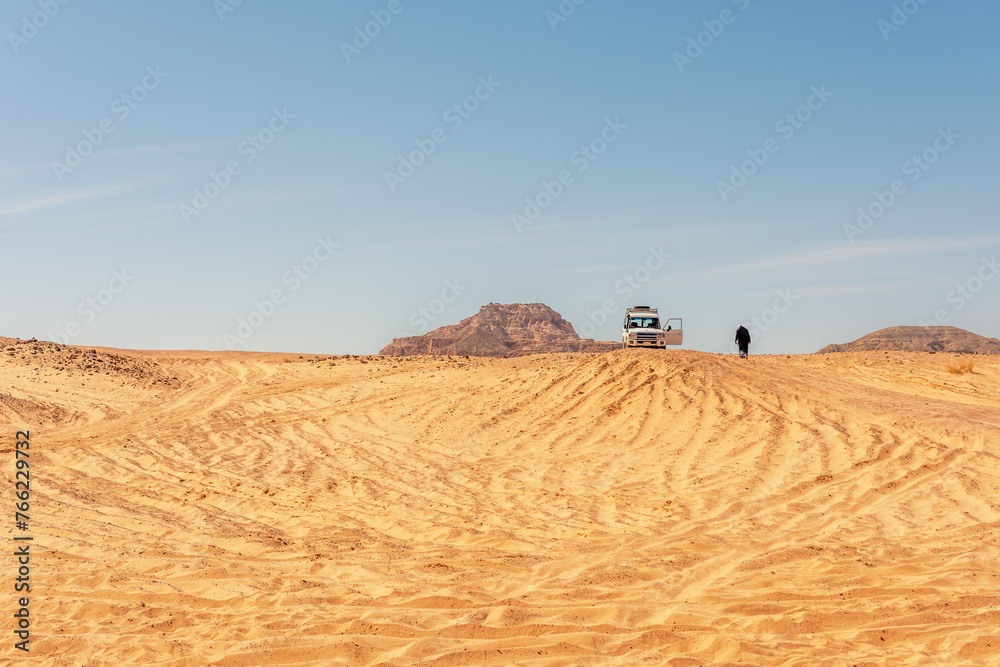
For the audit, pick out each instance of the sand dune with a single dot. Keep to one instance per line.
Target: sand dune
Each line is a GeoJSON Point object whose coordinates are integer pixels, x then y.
{"type": "Point", "coordinates": [636, 507]}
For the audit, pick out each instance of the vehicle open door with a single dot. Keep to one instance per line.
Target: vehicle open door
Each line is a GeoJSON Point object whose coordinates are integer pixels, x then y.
{"type": "Point", "coordinates": [673, 331]}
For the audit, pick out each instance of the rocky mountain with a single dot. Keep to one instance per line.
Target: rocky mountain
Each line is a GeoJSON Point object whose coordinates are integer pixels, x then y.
{"type": "Point", "coordinates": [921, 339]}
{"type": "Point", "coordinates": [501, 330]}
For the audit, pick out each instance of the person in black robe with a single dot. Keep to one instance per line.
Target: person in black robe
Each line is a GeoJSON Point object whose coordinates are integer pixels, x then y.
{"type": "Point", "coordinates": [743, 340]}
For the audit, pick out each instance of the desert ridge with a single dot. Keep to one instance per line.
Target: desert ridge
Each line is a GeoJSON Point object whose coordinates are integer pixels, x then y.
{"type": "Point", "coordinates": [920, 339]}
{"type": "Point", "coordinates": [630, 507]}
{"type": "Point", "coordinates": [500, 330]}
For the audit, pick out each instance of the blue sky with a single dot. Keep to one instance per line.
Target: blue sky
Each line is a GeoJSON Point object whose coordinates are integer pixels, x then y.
{"type": "Point", "coordinates": [619, 100]}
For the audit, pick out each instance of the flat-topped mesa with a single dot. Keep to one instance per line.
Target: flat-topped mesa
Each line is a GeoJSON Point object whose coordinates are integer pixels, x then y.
{"type": "Point", "coordinates": [920, 339]}
{"type": "Point", "coordinates": [501, 330]}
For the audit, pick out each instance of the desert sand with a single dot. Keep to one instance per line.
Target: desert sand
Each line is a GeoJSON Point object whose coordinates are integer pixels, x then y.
{"type": "Point", "coordinates": [629, 508]}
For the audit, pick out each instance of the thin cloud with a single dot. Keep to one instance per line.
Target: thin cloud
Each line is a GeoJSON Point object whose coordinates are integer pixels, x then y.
{"type": "Point", "coordinates": [870, 287]}
{"type": "Point", "coordinates": [160, 148]}
{"type": "Point", "coordinates": [62, 199]}
{"type": "Point", "coordinates": [828, 256]}
{"type": "Point", "coordinates": [20, 170]}
{"type": "Point", "coordinates": [839, 253]}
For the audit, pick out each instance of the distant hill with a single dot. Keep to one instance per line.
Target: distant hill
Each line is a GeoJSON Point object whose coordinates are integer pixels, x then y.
{"type": "Point", "coordinates": [501, 330]}
{"type": "Point", "coordinates": [921, 339]}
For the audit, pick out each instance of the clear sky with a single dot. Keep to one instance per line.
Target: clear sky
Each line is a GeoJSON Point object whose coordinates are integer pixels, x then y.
{"type": "Point", "coordinates": [167, 169]}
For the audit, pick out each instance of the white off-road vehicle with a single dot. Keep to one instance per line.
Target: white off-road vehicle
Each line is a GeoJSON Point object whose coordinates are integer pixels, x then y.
{"type": "Point", "coordinates": [642, 328]}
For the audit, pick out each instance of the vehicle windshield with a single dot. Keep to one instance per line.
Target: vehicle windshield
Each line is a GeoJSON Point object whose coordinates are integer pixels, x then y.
{"type": "Point", "coordinates": [644, 323]}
